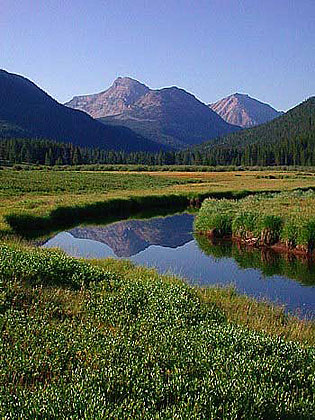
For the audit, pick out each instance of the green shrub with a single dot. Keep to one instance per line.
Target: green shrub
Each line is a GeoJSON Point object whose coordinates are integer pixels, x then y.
{"type": "Point", "coordinates": [215, 216]}
{"type": "Point", "coordinates": [46, 267]}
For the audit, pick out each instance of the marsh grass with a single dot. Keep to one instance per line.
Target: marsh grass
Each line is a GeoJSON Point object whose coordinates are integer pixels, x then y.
{"type": "Point", "coordinates": [262, 316]}
{"type": "Point", "coordinates": [265, 218]}
{"type": "Point", "coordinates": [32, 226]}
{"type": "Point", "coordinates": [110, 340]}
{"type": "Point", "coordinates": [49, 182]}
{"type": "Point", "coordinates": [38, 193]}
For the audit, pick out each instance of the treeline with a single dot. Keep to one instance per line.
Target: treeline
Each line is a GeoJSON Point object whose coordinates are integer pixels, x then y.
{"type": "Point", "coordinates": [299, 151]}
{"type": "Point", "coordinates": [294, 151]}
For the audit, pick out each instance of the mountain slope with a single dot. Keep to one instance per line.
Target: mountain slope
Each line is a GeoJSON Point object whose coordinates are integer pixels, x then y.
{"type": "Point", "coordinates": [170, 116]}
{"type": "Point", "coordinates": [286, 140]}
{"type": "Point", "coordinates": [26, 110]}
{"type": "Point", "coordinates": [298, 121]}
{"type": "Point", "coordinates": [244, 111]}
{"type": "Point", "coordinates": [113, 101]}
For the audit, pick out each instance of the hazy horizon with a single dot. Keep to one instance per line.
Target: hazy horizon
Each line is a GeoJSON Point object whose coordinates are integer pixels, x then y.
{"type": "Point", "coordinates": [212, 49]}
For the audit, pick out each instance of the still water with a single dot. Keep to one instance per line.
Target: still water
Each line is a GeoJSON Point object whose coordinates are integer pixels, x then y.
{"type": "Point", "coordinates": [167, 243]}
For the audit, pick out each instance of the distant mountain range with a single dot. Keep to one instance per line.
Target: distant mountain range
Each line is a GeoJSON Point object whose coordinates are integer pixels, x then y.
{"type": "Point", "coordinates": [136, 118]}
{"type": "Point", "coordinates": [27, 111]}
{"type": "Point", "coordinates": [244, 111]}
{"type": "Point", "coordinates": [296, 123]}
{"type": "Point", "coordinates": [170, 116]}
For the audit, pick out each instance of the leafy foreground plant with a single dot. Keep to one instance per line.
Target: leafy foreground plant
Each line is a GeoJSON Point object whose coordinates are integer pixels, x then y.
{"type": "Point", "coordinates": [134, 349]}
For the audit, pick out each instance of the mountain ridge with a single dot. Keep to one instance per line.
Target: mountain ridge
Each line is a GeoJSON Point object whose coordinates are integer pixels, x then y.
{"type": "Point", "coordinates": [26, 110]}
{"type": "Point", "coordinates": [244, 111]}
{"type": "Point", "coordinates": [172, 116]}
{"type": "Point", "coordinates": [95, 103]}
{"type": "Point", "coordinates": [286, 140]}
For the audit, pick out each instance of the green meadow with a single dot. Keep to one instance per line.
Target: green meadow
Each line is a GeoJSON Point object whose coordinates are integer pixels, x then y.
{"type": "Point", "coordinates": [107, 339]}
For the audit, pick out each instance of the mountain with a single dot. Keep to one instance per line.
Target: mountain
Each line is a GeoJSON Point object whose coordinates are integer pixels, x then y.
{"type": "Point", "coordinates": [297, 122]}
{"type": "Point", "coordinates": [286, 140]}
{"type": "Point", "coordinates": [27, 111]}
{"type": "Point", "coordinates": [244, 111]}
{"type": "Point", "coordinates": [169, 116]}
{"type": "Point", "coordinates": [113, 101]}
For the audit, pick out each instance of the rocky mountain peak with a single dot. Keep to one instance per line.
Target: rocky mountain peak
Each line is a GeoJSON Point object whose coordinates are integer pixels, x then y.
{"type": "Point", "coordinates": [128, 82]}
{"type": "Point", "coordinates": [242, 110]}
{"type": "Point", "coordinates": [240, 95]}
{"type": "Point", "coordinates": [28, 111]}
{"type": "Point", "coordinates": [124, 92]}
{"type": "Point", "coordinates": [170, 116]}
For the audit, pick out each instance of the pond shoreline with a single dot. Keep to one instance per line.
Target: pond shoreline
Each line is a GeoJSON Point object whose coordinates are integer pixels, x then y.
{"type": "Point", "coordinates": [279, 247]}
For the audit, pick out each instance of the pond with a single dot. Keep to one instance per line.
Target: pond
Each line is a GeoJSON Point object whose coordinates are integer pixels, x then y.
{"type": "Point", "coordinates": [167, 243]}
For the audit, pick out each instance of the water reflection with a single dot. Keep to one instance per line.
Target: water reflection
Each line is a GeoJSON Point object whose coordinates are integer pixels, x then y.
{"type": "Point", "coordinates": [269, 262]}
{"type": "Point", "coordinates": [167, 243]}
{"type": "Point", "coordinates": [128, 238]}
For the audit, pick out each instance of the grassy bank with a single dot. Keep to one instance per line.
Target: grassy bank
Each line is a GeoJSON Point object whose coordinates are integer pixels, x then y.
{"type": "Point", "coordinates": [41, 198]}
{"type": "Point", "coordinates": [112, 209]}
{"type": "Point", "coordinates": [109, 340]}
{"type": "Point", "coordinates": [47, 200]}
{"type": "Point", "coordinates": [286, 219]}
{"type": "Point", "coordinates": [261, 316]}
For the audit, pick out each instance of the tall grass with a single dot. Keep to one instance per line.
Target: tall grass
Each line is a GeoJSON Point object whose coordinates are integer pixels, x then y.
{"type": "Point", "coordinates": [38, 193]}
{"type": "Point", "coordinates": [48, 182]}
{"type": "Point", "coordinates": [264, 219]}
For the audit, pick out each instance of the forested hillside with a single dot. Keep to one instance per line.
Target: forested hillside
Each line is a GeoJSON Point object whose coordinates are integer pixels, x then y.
{"type": "Point", "coordinates": [288, 140]}
{"type": "Point", "coordinates": [298, 121]}
{"type": "Point", "coordinates": [28, 111]}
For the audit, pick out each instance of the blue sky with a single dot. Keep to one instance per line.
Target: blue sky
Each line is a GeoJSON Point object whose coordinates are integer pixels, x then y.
{"type": "Point", "coordinates": [212, 48]}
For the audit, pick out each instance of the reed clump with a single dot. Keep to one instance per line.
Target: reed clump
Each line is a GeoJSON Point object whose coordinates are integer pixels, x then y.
{"type": "Point", "coordinates": [282, 219]}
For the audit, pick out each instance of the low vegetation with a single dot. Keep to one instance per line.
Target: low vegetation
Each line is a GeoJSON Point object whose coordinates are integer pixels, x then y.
{"type": "Point", "coordinates": [14, 182]}
{"type": "Point", "coordinates": [91, 341]}
{"type": "Point", "coordinates": [264, 219]}
{"type": "Point", "coordinates": [107, 339]}
{"type": "Point", "coordinates": [34, 198]}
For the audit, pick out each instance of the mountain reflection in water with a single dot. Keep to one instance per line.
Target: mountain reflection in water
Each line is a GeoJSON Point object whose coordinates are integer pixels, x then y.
{"type": "Point", "coordinates": [167, 244]}
{"type": "Point", "coordinates": [128, 238]}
